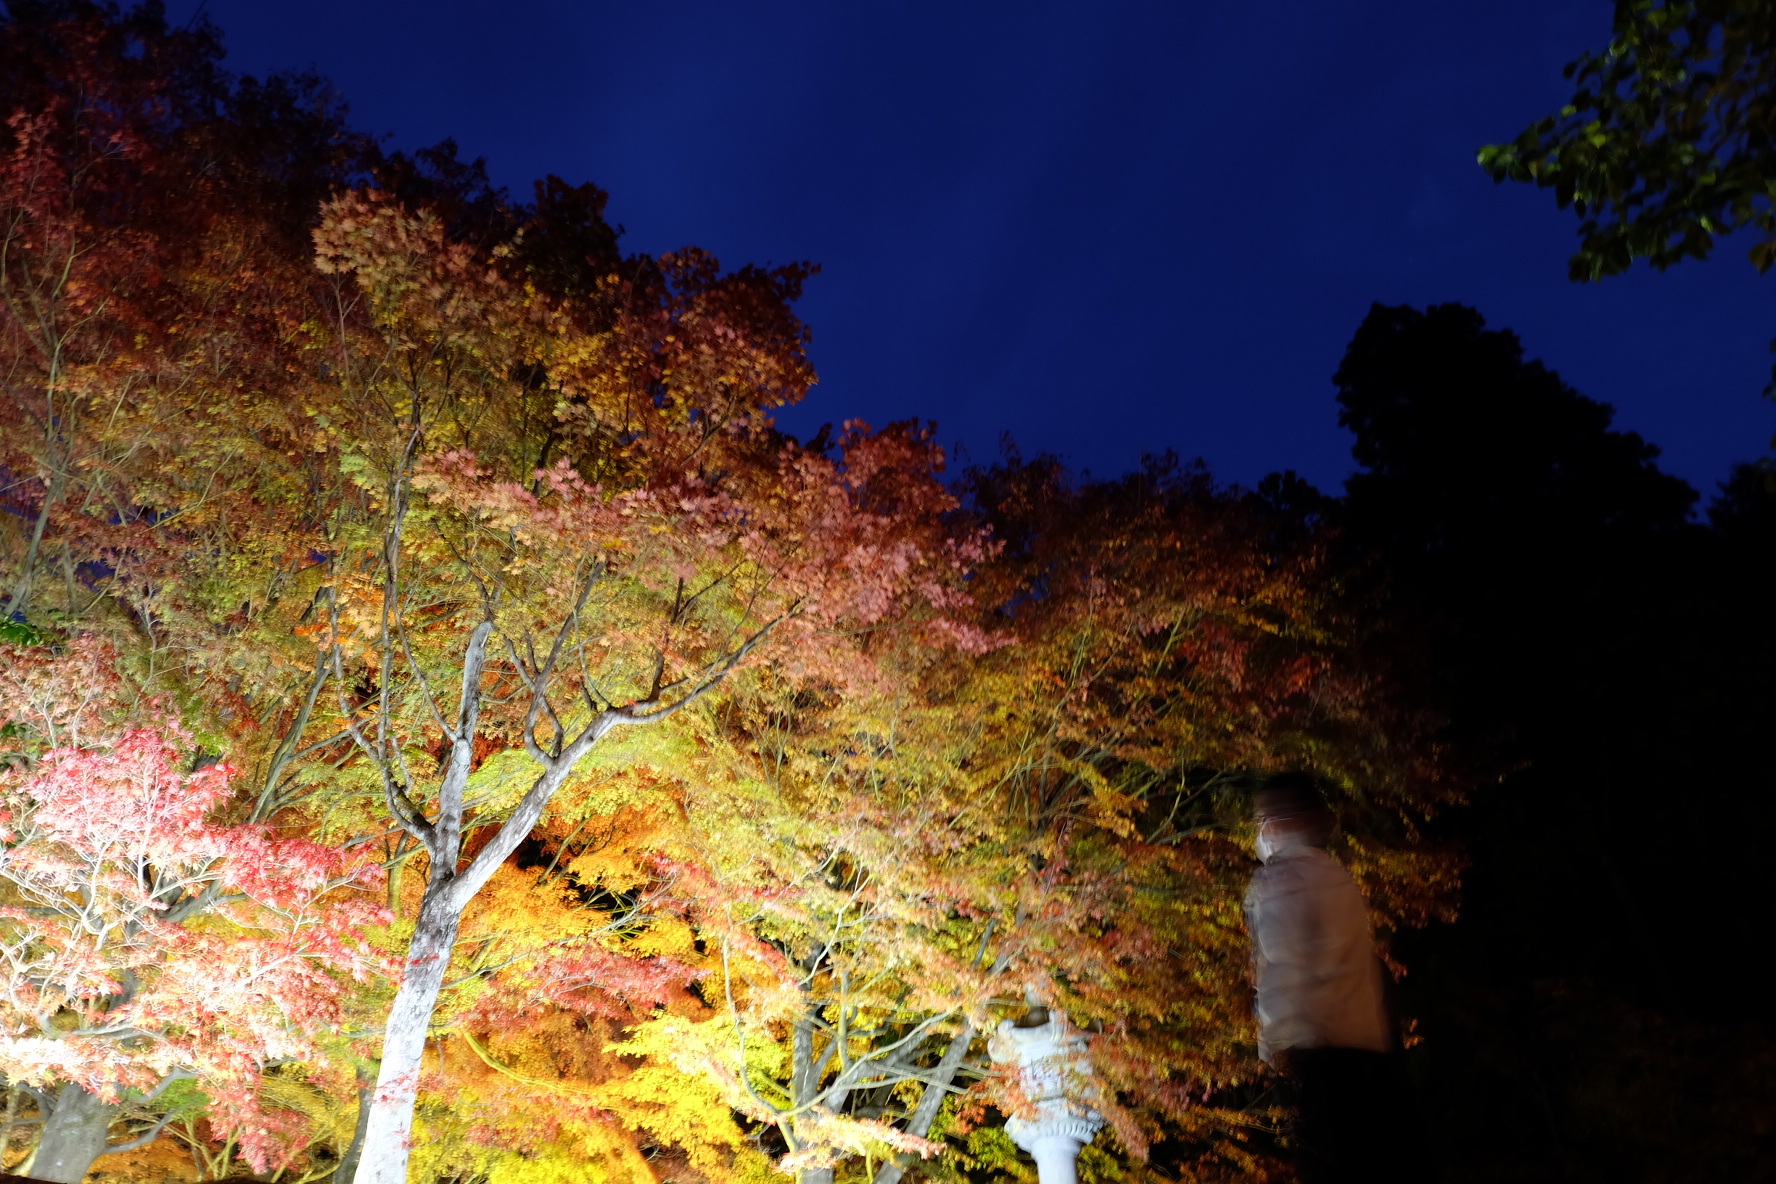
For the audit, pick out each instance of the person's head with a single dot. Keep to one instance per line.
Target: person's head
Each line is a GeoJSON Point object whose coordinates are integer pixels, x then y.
{"type": "Point", "coordinates": [1290, 813]}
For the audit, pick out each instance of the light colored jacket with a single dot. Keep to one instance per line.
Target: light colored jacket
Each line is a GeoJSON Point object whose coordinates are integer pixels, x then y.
{"type": "Point", "coordinates": [1319, 981]}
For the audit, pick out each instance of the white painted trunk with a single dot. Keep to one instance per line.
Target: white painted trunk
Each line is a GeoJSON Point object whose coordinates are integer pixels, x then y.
{"type": "Point", "coordinates": [388, 1134]}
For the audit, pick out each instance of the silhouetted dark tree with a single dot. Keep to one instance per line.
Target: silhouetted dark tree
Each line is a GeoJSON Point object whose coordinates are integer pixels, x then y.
{"type": "Point", "coordinates": [1604, 677]}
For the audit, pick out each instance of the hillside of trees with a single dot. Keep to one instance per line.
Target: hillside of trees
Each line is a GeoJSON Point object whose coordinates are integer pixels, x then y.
{"type": "Point", "coordinates": [448, 731]}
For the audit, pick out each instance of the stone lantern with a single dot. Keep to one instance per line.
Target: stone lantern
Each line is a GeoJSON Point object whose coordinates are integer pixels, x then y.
{"type": "Point", "coordinates": [1055, 1075]}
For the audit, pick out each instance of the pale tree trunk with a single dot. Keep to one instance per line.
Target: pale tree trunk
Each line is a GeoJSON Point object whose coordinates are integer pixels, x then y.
{"type": "Point", "coordinates": [925, 1113]}
{"type": "Point", "coordinates": [801, 1068]}
{"type": "Point", "coordinates": [21, 590]}
{"type": "Point", "coordinates": [805, 1081]}
{"type": "Point", "coordinates": [75, 1133]}
{"type": "Point", "coordinates": [388, 1135]}
{"type": "Point", "coordinates": [387, 1142]}
{"type": "Point", "coordinates": [388, 1131]}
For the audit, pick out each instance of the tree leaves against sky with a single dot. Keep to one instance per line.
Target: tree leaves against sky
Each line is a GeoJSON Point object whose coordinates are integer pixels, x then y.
{"type": "Point", "coordinates": [435, 689]}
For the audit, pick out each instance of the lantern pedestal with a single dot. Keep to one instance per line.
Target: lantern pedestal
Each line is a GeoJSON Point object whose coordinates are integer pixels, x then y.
{"type": "Point", "coordinates": [1051, 1066]}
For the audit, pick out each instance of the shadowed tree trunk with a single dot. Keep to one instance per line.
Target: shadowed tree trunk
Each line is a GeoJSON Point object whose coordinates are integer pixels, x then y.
{"type": "Point", "coordinates": [348, 1163]}
{"type": "Point", "coordinates": [925, 1113]}
{"type": "Point", "coordinates": [74, 1134]}
{"type": "Point", "coordinates": [805, 1079]}
{"type": "Point", "coordinates": [806, 1071]}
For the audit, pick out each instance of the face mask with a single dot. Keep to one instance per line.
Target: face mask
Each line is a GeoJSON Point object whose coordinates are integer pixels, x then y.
{"type": "Point", "coordinates": [1266, 848]}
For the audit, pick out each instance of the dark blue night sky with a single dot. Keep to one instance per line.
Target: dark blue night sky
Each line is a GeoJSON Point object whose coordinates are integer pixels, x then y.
{"type": "Point", "coordinates": [1107, 228]}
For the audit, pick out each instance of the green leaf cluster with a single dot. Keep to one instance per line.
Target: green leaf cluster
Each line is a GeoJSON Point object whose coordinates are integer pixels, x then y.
{"type": "Point", "coordinates": [1669, 141]}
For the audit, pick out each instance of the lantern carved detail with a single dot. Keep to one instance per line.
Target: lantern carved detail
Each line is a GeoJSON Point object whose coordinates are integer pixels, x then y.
{"type": "Point", "coordinates": [1055, 1076]}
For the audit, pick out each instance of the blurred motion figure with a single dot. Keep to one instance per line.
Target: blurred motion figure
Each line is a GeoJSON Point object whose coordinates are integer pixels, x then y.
{"type": "Point", "coordinates": [1322, 1020]}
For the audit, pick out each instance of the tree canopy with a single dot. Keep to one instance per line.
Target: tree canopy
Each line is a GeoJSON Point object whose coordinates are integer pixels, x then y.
{"type": "Point", "coordinates": [451, 731]}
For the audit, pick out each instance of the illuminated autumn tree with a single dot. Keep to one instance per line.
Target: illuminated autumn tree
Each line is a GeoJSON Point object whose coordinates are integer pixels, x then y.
{"type": "Point", "coordinates": [144, 941]}
{"type": "Point", "coordinates": [842, 867]}
{"type": "Point", "coordinates": [1061, 820]}
{"type": "Point", "coordinates": [478, 593]}
{"type": "Point", "coordinates": [1187, 640]}
{"type": "Point", "coordinates": [152, 238]}
{"type": "Point", "coordinates": [538, 1067]}
{"type": "Point", "coordinates": [464, 541]}
{"type": "Point", "coordinates": [152, 234]}
{"type": "Point", "coordinates": [221, 480]}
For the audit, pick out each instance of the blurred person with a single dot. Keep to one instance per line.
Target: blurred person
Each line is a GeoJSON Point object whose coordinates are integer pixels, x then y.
{"type": "Point", "coordinates": [1322, 1020]}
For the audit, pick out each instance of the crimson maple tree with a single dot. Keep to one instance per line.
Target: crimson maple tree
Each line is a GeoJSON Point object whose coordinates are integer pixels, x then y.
{"type": "Point", "coordinates": [146, 940]}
